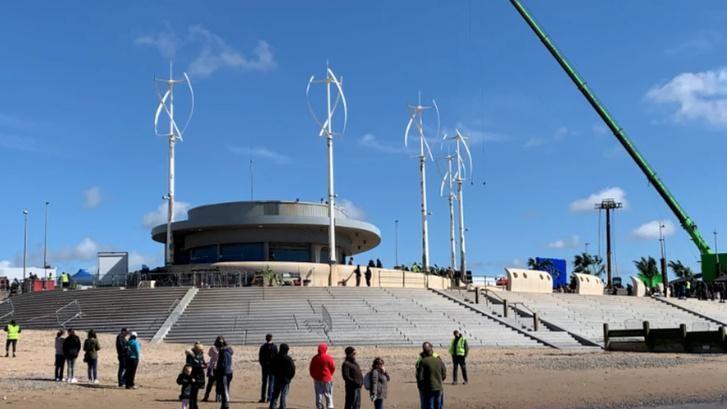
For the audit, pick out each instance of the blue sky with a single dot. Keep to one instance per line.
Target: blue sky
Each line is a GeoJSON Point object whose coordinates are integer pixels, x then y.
{"type": "Point", "coordinates": [77, 100]}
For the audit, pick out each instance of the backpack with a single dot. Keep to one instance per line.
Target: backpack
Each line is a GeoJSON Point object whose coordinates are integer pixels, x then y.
{"type": "Point", "coordinates": [369, 380]}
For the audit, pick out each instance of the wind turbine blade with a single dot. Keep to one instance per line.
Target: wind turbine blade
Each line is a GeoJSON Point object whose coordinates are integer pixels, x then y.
{"type": "Point", "coordinates": [162, 105]}
{"type": "Point", "coordinates": [439, 119]}
{"type": "Point", "coordinates": [441, 186]}
{"type": "Point", "coordinates": [469, 154]}
{"type": "Point", "coordinates": [343, 99]}
{"type": "Point", "coordinates": [429, 151]}
{"type": "Point", "coordinates": [408, 128]}
{"type": "Point", "coordinates": [307, 99]}
{"type": "Point", "coordinates": [191, 109]}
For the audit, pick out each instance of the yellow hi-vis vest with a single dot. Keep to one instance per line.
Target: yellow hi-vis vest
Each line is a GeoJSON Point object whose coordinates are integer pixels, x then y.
{"type": "Point", "coordinates": [64, 278]}
{"type": "Point", "coordinates": [13, 332]}
{"type": "Point", "coordinates": [458, 349]}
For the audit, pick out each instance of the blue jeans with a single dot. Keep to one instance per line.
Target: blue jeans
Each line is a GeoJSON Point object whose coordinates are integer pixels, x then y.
{"type": "Point", "coordinates": [379, 404]}
{"type": "Point", "coordinates": [430, 399]}
{"type": "Point", "coordinates": [92, 369]}
{"type": "Point", "coordinates": [279, 391]}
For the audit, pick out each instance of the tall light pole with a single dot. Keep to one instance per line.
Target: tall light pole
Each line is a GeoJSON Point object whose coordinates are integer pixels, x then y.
{"type": "Point", "coordinates": [716, 255]}
{"type": "Point", "coordinates": [45, 242]}
{"type": "Point", "coordinates": [662, 247]}
{"type": "Point", "coordinates": [416, 118]}
{"type": "Point", "coordinates": [326, 131]}
{"type": "Point", "coordinates": [25, 240]}
{"type": "Point", "coordinates": [166, 104]}
{"type": "Point", "coordinates": [396, 241]}
{"type": "Point", "coordinates": [608, 205]}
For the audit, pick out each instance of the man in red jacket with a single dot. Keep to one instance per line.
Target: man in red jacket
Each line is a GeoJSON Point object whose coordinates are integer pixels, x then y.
{"type": "Point", "coordinates": [322, 367]}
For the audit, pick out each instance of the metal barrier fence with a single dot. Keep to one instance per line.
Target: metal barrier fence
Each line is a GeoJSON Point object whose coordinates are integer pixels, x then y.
{"type": "Point", "coordinates": [327, 320]}
{"type": "Point", "coordinates": [68, 313]}
{"type": "Point", "coordinates": [7, 311]}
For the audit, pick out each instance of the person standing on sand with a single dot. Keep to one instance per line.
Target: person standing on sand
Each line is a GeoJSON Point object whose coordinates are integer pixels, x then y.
{"type": "Point", "coordinates": [430, 375]}
{"type": "Point", "coordinates": [91, 346]}
{"type": "Point", "coordinates": [195, 359]}
{"type": "Point", "coordinates": [132, 361]}
{"type": "Point", "coordinates": [122, 354]}
{"type": "Point", "coordinates": [212, 364]}
{"type": "Point", "coordinates": [284, 372]}
{"type": "Point", "coordinates": [60, 359]}
{"type": "Point", "coordinates": [459, 349]}
{"type": "Point", "coordinates": [265, 356]}
{"type": "Point", "coordinates": [321, 369]}
{"type": "Point", "coordinates": [13, 330]}
{"type": "Point", "coordinates": [71, 349]}
{"type": "Point", "coordinates": [224, 371]}
{"type": "Point", "coordinates": [353, 379]}
{"type": "Point", "coordinates": [378, 381]}
{"type": "Point", "coordinates": [186, 381]}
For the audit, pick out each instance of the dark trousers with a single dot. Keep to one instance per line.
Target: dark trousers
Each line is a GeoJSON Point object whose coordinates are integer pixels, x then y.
{"type": "Point", "coordinates": [358, 280]}
{"type": "Point", "coordinates": [92, 369]}
{"type": "Point", "coordinates": [280, 391]}
{"type": "Point", "coordinates": [194, 395]}
{"type": "Point", "coordinates": [459, 361]}
{"type": "Point", "coordinates": [122, 370]}
{"type": "Point", "coordinates": [13, 342]}
{"type": "Point", "coordinates": [266, 391]}
{"type": "Point", "coordinates": [353, 398]}
{"type": "Point", "coordinates": [379, 404]}
{"type": "Point", "coordinates": [130, 375]}
{"type": "Point", "coordinates": [223, 385]}
{"type": "Point", "coordinates": [436, 400]}
{"type": "Point", "coordinates": [368, 281]}
{"type": "Point", "coordinates": [60, 365]}
{"type": "Point", "coordinates": [211, 381]}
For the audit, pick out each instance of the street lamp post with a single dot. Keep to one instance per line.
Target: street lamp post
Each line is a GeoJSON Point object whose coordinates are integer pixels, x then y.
{"type": "Point", "coordinates": [662, 247]}
{"type": "Point", "coordinates": [396, 241]}
{"type": "Point", "coordinates": [25, 240]}
{"type": "Point", "coordinates": [45, 242]}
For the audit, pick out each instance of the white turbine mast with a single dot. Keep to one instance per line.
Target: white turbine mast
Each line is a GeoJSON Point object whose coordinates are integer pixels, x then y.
{"type": "Point", "coordinates": [460, 175]}
{"type": "Point", "coordinates": [326, 130]}
{"type": "Point", "coordinates": [416, 118]}
{"type": "Point", "coordinates": [448, 182]}
{"type": "Point", "coordinates": [166, 104]}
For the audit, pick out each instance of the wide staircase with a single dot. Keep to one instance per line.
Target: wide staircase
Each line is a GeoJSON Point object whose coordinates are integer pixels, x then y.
{"type": "Point", "coordinates": [711, 310]}
{"type": "Point", "coordinates": [584, 315]}
{"type": "Point", "coordinates": [101, 309]}
{"type": "Point", "coordinates": [339, 316]}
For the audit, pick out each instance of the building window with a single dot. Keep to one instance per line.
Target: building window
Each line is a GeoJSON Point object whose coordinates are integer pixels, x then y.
{"type": "Point", "coordinates": [289, 252]}
{"type": "Point", "coordinates": [206, 254]}
{"type": "Point", "coordinates": [242, 252]}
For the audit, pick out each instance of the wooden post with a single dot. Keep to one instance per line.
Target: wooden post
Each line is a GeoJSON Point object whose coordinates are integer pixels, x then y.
{"type": "Point", "coordinates": [477, 295]}
{"type": "Point", "coordinates": [605, 335]}
{"type": "Point", "coordinates": [535, 322]}
{"type": "Point", "coordinates": [504, 308]}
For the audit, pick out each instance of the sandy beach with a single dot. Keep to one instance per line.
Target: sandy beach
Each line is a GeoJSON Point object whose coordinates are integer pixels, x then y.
{"type": "Point", "coordinates": [499, 378]}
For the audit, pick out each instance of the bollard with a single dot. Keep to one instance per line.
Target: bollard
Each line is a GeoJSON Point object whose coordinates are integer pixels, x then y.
{"type": "Point", "coordinates": [605, 335]}
{"type": "Point", "coordinates": [477, 295]}
{"type": "Point", "coordinates": [504, 308]}
{"type": "Point", "coordinates": [535, 322]}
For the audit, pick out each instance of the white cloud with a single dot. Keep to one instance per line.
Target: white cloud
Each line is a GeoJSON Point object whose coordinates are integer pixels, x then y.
{"type": "Point", "coordinates": [5, 264]}
{"type": "Point", "coordinates": [650, 230]}
{"type": "Point", "coordinates": [599, 129]}
{"type": "Point", "coordinates": [19, 143]}
{"type": "Point", "coordinates": [165, 41]}
{"type": "Point", "coordinates": [216, 54]}
{"type": "Point", "coordinates": [558, 136]}
{"type": "Point", "coordinates": [86, 249]}
{"type": "Point", "coordinates": [698, 95]}
{"type": "Point", "coordinates": [703, 41]}
{"type": "Point", "coordinates": [136, 260]}
{"type": "Point", "coordinates": [567, 243]}
{"type": "Point", "coordinates": [260, 152]}
{"type": "Point", "coordinates": [371, 141]}
{"type": "Point", "coordinates": [159, 216]}
{"type": "Point", "coordinates": [476, 135]}
{"type": "Point", "coordinates": [212, 51]}
{"type": "Point", "coordinates": [92, 197]}
{"type": "Point", "coordinates": [353, 211]}
{"type": "Point", "coordinates": [588, 204]}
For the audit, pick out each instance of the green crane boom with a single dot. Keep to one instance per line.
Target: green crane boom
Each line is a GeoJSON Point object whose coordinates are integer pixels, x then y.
{"type": "Point", "coordinates": [686, 222]}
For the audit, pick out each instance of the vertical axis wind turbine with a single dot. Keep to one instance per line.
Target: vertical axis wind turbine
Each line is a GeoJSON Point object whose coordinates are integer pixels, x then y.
{"type": "Point", "coordinates": [448, 180]}
{"type": "Point", "coordinates": [460, 176]}
{"type": "Point", "coordinates": [416, 118]}
{"type": "Point", "coordinates": [166, 104]}
{"type": "Point", "coordinates": [326, 131]}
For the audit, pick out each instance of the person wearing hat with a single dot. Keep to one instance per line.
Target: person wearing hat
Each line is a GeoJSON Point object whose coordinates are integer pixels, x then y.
{"type": "Point", "coordinates": [353, 378]}
{"type": "Point", "coordinates": [132, 361]}
{"type": "Point", "coordinates": [195, 359]}
{"type": "Point", "coordinates": [122, 354]}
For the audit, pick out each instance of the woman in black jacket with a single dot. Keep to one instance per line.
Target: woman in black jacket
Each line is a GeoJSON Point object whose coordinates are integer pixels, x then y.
{"type": "Point", "coordinates": [71, 348]}
{"type": "Point", "coordinates": [195, 359]}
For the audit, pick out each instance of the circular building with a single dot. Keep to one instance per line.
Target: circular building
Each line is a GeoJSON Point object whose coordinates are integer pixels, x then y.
{"type": "Point", "coordinates": [265, 231]}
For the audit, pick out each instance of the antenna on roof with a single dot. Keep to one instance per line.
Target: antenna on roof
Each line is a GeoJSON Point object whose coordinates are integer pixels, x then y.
{"type": "Point", "coordinates": [326, 130]}
{"type": "Point", "coordinates": [166, 104]}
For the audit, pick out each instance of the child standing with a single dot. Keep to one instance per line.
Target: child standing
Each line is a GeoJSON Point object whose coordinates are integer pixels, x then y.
{"type": "Point", "coordinates": [186, 380]}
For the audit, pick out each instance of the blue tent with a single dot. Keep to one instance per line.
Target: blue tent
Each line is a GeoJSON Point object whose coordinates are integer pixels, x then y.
{"type": "Point", "coordinates": [83, 277]}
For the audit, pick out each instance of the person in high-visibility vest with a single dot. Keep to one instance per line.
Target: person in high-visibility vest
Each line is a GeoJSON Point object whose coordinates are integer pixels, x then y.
{"type": "Point", "coordinates": [13, 330]}
{"type": "Point", "coordinates": [65, 280]}
{"type": "Point", "coordinates": [459, 349]}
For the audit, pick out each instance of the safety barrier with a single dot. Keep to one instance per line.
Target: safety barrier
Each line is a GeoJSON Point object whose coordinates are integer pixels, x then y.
{"type": "Point", "coordinates": [529, 281]}
{"type": "Point", "coordinates": [587, 284]}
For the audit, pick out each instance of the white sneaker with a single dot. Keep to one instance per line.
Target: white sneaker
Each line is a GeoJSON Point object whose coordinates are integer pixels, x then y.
{"type": "Point", "coordinates": [95, 381]}
{"type": "Point", "coordinates": [74, 380]}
